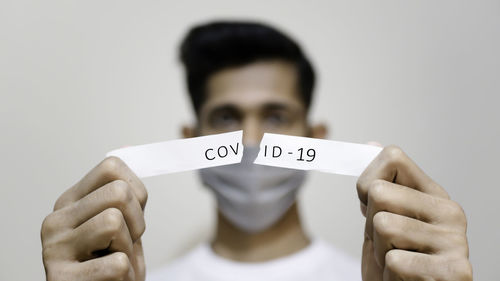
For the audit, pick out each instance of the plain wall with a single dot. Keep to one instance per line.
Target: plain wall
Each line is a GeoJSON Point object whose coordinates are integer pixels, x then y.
{"type": "Point", "coordinates": [79, 78]}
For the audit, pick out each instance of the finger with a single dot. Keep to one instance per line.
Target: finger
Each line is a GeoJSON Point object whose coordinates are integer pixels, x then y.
{"type": "Point", "coordinates": [138, 261]}
{"type": "Point", "coordinates": [393, 165]}
{"type": "Point", "coordinates": [117, 194]}
{"type": "Point", "coordinates": [370, 270]}
{"type": "Point", "coordinates": [115, 266]}
{"type": "Point", "coordinates": [110, 169]}
{"type": "Point", "coordinates": [398, 199]}
{"type": "Point", "coordinates": [106, 231]}
{"type": "Point", "coordinates": [392, 231]}
{"type": "Point", "coordinates": [406, 265]}
{"type": "Point", "coordinates": [363, 208]}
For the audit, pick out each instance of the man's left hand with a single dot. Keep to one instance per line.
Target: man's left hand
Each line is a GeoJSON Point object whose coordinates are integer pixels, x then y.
{"type": "Point", "coordinates": [413, 230]}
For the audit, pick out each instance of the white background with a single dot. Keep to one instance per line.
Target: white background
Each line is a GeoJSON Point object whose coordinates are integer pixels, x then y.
{"type": "Point", "coordinates": [79, 78]}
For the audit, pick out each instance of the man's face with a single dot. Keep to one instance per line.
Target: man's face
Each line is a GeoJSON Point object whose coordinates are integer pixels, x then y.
{"type": "Point", "coordinates": [256, 98]}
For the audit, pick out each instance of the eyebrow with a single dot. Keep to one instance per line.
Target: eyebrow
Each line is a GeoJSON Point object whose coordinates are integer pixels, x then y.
{"type": "Point", "coordinates": [277, 106]}
{"type": "Point", "coordinates": [224, 107]}
{"type": "Point", "coordinates": [266, 107]}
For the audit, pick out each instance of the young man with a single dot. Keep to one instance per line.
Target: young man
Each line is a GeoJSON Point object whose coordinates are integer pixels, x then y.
{"type": "Point", "coordinates": [252, 77]}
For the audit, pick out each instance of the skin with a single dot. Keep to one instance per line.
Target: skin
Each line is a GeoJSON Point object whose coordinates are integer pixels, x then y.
{"type": "Point", "coordinates": [94, 231]}
{"type": "Point", "coordinates": [261, 97]}
{"type": "Point", "coordinates": [413, 230]}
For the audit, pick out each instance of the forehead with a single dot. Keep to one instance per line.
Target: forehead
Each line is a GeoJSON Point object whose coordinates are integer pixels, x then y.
{"type": "Point", "coordinates": [253, 85]}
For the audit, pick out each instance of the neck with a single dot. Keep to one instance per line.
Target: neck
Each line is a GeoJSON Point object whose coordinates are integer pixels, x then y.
{"type": "Point", "coordinates": [284, 238]}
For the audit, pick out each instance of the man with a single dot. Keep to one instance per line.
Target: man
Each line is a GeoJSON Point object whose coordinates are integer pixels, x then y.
{"type": "Point", "coordinates": [252, 77]}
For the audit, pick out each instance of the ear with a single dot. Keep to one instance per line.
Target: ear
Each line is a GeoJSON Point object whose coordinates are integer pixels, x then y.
{"type": "Point", "coordinates": [188, 131]}
{"type": "Point", "coordinates": [318, 131]}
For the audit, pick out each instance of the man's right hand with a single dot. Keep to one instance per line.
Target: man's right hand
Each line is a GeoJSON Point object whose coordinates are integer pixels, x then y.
{"type": "Point", "coordinates": [95, 230]}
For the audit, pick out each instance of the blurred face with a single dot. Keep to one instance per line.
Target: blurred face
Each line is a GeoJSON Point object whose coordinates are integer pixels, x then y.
{"type": "Point", "coordinates": [256, 98]}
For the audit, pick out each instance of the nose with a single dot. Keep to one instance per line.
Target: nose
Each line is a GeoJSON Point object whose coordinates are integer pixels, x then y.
{"type": "Point", "coordinates": [252, 132]}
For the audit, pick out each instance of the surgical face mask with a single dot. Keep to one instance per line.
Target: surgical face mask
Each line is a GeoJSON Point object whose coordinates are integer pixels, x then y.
{"type": "Point", "coordinates": [253, 197]}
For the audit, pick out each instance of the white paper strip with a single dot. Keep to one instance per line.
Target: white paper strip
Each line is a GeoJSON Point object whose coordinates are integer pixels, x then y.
{"type": "Point", "coordinates": [183, 154]}
{"type": "Point", "coordinates": [315, 154]}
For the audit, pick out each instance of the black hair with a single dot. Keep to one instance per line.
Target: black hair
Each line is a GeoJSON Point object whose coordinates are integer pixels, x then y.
{"type": "Point", "coordinates": [211, 47]}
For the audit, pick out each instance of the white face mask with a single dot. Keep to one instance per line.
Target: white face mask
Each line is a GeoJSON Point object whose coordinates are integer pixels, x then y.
{"type": "Point", "coordinates": [253, 197]}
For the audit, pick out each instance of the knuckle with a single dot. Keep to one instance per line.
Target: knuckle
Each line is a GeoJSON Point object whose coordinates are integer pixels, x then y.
{"type": "Point", "coordinates": [49, 225]}
{"type": "Point", "coordinates": [376, 192]}
{"type": "Point", "coordinates": [138, 230]}
{"type": "Point", "coordinates": [382, 224]}
{"type": "Point", "coordinates": [54, 272]}
{"type": "Point", "coordinates": [362, 190]}
{"type": "Point", "coordinates": [392, 259]}
{"type": "Point", "coordinates": [51, 275]}
{"type": "Point", "coordinates": [142, 196]}
{"type": "Point", "coordinates": [457, 242]}
{"type": "Point", "coordinates": [120, 264]}
{"type": "Point", "coordinates": [457, 269]}
{"type": "Point", "coordinates": [464, 270]}
{"type": "Point", "coordinates": [456, 213]}
{"type": "Point", "coordinates": [63, 200]}
{"type": "Point", "coordinates": [440, 192]}
{"type": "Point", "coordinates": [111, 165]}
{"type": "Point", "coordinates": [141, 230]}
{"type": "Point", "coordinates": [121, 192]}
{"type": "Point", "coordinates": [393, 153]}
{"type": "Point", "coordinates": [360, 185]}
{"type": "Point", "coordinates": [113, 219]}
{"type": "Point", "coordinates": [47, 255]}
{"type": "Point", "coordinates": [60, 202]}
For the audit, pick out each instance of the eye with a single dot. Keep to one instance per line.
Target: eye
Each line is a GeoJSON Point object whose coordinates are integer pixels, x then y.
{"type": "Point", "coordinates": [277, 119]}
{"type": "Point", "coordinates": [223, 120]}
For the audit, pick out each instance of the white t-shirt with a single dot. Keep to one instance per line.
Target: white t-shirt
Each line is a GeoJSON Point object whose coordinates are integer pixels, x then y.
{"type": "Point", "coordinates": [319, 261]}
